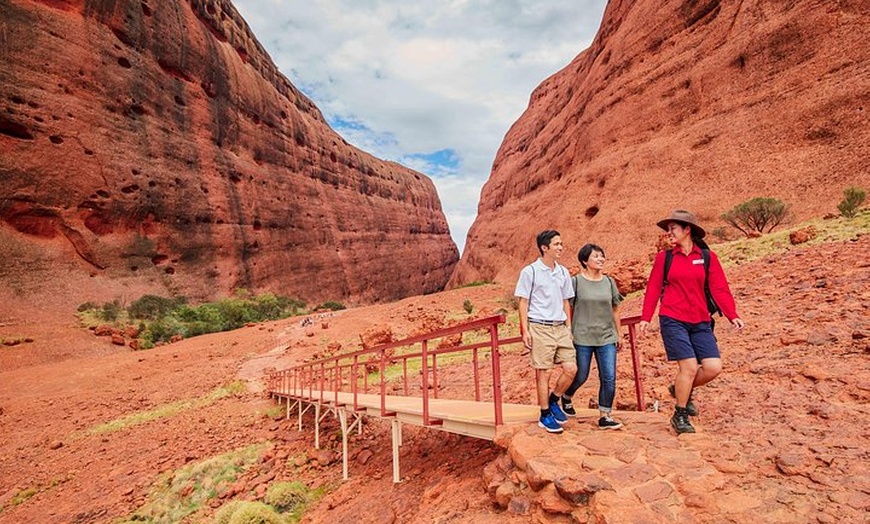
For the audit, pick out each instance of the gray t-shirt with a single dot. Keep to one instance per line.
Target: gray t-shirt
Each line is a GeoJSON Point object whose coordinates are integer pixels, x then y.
{"type": "Point", "coordinates": [592, 320]}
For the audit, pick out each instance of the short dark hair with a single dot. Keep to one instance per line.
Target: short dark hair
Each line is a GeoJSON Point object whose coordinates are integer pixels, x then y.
{"type": "Point", "coordinates": [586, 252]}
{"type": "Point", "coordinates": [544, 238]}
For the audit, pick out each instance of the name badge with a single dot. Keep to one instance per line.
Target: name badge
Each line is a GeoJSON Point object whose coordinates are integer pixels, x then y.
{"type": "Point", "coordinates": [698, 262]}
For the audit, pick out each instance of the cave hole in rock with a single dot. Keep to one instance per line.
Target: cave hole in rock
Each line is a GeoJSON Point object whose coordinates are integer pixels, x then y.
{"type": "Point", "coordinates": [591, 211]}
{"type": "Point", "coordinates": [123, 62]}
{"type": "Point", "coordinates": [258, 225]}
{"type": "Point", "coordinates": [102, 193]}
{"type": "Point", "coordinates": [159, 259]}
{"type": "Point", "coordinates": [132, 188]}
{"type": "Point", "coordinates": [56, 139]}
{"type": "Point", "coordinates": [170, 270]}
{"type": "Point", "coordinates": [14, 129]}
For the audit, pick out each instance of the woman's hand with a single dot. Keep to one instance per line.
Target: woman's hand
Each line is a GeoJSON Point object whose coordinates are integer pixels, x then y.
{"type": "Point", "coordinates": [737, 323]}
{"type": "Point", "coordinates": [642, 326]}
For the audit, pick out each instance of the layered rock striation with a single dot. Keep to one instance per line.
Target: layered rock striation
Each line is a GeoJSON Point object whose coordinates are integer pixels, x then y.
{"type": "Point", "coordinates": [695, 104]}
{"type": "Point", "coordinates": [157, 145]}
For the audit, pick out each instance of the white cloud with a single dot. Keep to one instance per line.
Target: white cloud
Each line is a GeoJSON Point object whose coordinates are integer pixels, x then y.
{"type": "Point", "coordinates": [423, 77]}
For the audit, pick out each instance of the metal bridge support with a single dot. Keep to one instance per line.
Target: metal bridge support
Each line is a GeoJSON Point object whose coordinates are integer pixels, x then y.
{"type": "Point", "coordinates": [345, 429]}
{"type": "Point", "coordinates": [397, 441]}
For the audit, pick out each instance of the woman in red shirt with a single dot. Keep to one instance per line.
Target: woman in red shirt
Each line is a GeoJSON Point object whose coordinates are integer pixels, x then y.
{"type": "Point", "coordinates": [686, 324]}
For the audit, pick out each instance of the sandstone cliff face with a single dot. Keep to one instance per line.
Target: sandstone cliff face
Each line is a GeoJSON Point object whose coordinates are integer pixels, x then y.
{"type": "Point", "coordinates": [695, 104]}
{"type": "Point", "coordinates": [155, 145]}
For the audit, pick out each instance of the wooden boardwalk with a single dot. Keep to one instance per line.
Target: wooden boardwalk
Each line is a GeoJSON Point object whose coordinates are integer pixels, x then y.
{"type": "Point", "coordinates": [464, 417]}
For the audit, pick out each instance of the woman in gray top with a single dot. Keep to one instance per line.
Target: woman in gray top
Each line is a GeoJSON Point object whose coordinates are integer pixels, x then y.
{"type": "Point", "coordinates": [595, 328]}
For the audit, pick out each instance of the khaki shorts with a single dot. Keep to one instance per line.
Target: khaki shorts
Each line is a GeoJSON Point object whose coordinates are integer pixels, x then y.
{"type": "Point", "coordinates": [551, 345]}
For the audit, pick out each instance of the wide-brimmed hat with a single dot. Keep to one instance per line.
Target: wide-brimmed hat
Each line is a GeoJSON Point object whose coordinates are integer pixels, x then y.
{"type": "Point", "coordinates": [684, 217]}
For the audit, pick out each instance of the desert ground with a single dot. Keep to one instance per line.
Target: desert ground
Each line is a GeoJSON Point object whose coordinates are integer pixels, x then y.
{"type": "Point", "coordinates": [783, 432]}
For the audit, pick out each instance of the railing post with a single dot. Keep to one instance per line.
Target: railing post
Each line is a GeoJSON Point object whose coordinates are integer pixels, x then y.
{"type": "Point", "coordinates": [405, 373]}
{"type": "Point", "coordinates": [322, 380]}
{"type": "Point", "coordinates": [424, 354]}
{"type": "Point", "coordinates": [383, 382]}
{"type": "Point", "coordinates": [635, 361]}
{"type": "Point", "coordinates": [336, 381]}
{"type": "Point", "coordinates": [496, 375]}
{"type": "Point", "coordinates": [355, 383]}
{"type": "Point", "coordinates": [476, 376]}
{"type": "Point", "coordinates": [435, 374]}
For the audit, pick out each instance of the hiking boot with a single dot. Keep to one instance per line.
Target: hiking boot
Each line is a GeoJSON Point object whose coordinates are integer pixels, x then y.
{"type": "Point", "coordinates": [549, 423]}
{"type": "Point", "coordinates": [568, 408]}
{"type": "Point", "coordinates": [558, 414]}
{"type": "Point", "coordinates": [607, 422]}
{"type": "Point", "coordinates": [690, 406]}
{"type": "Point", "coordinates": [680, 422]}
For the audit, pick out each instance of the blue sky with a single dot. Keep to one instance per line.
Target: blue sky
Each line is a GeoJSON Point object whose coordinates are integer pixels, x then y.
{"type": "Point", "coordinates": [432, 85]}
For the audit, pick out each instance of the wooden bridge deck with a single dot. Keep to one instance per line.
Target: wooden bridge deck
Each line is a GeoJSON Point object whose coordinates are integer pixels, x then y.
{"type": "Point", "coordinates": [464, 417]}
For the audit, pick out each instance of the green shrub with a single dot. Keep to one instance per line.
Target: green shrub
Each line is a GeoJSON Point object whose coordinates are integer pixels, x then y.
{"type": "Point", "coordinates": [720, 233]}
{"type": "Point", "coordinates": [853, 197]}
{"type": "Point", "coordinates": [244, 512]}
{"type": "Point", "coordinates": [153, 306]}
{"type": "Point", "coordinates": [477, 283]}
{"type": "Point", "coordinates": [87, 306]}
{"type": "Point", "coordinates": [226, 511]}
{"type": "Point", "coordinates": [760, 214]}
{"type": "Point", "coordinates": [110, 311]}
{"type": "Point", "coordinates": [331, 305]}
{"type": "Point", "coordinates": [468, 306]}
{"type": "Point", "coordinates": [287, 496]}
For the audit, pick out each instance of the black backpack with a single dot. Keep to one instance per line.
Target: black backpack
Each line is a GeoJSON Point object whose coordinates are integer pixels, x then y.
{"type": "Point", "coordinates": [712, 307]}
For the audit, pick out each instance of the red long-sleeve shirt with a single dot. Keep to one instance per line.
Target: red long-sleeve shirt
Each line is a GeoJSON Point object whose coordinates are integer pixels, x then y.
{"type": "Point", "coordinates": [684, 297]}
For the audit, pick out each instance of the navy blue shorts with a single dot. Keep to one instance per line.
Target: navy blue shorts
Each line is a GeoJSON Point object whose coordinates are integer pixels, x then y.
{"type": "Point", "coordinates": [686, 340]}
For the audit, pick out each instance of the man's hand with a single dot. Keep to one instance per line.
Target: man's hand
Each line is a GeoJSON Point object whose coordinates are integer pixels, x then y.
{"type": "Point", "coordinates": [737, 323]}
{"type": "Point", "coordinates": [527, 339]}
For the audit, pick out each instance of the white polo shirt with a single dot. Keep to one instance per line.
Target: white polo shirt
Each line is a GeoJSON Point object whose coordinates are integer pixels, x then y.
{"type": "Point", "coordinates": [546, 289]}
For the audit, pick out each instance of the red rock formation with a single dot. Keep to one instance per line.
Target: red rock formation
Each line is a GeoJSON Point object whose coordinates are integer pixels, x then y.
{"type": "Point", "coordinates": [697, 104]}
{"type": "Point", "coordinates": [160, 147]}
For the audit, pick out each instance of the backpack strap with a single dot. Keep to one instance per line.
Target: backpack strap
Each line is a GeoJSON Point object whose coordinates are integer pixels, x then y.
{"type": "Point", "coordinates": [669, 257]}
{"type": "Point", "coordinates": [532, 267]}
{"type": "Point", "coordinates": [712, 306]}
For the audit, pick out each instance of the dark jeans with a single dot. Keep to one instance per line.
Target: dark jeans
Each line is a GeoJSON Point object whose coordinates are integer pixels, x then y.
{"type": "Point", "coordinates": [605, 359]}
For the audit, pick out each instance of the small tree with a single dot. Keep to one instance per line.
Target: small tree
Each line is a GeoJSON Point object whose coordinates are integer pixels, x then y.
{"type": "Point", "coordinates": [853, 197]}
{"type": "Point", "coordinates": [468, 306]}
{"type": "Point", "coordinates": [761, 214]}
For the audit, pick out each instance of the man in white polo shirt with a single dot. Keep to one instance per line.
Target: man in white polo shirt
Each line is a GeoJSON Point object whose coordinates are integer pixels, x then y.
{"type": "Point", "coordinates": [545, 291]}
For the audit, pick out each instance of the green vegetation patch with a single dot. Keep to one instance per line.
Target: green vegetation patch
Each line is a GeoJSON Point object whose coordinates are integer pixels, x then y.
{"type": "Point", "coordinates": [166, 410]}
{"type": "Point", "coordinates": [178, 494]}
{"type": "Point", "coordinates": [477, 283]}
{"type": "Point", "coordinates": [160, 319]}
{"type": "Point", "coordinates": [827, 231]}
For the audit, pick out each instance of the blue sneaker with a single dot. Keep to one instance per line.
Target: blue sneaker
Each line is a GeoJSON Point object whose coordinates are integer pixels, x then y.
{"type": "Point", "coordinates": [558, 414]}
{"type": "Point", "coordinates": [549, 423]}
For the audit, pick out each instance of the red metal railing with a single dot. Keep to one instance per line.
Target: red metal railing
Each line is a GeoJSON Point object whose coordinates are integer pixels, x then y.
{"type": "Point", "coordinates": [329, 373]}
{"type": "Point", "coordinates": [631, 323]}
